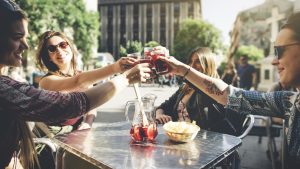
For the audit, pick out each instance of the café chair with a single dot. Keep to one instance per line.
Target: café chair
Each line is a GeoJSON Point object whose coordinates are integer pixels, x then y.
{"type": "Point", "coordinates": [241, 126]}
{"type": "Point", "coordinates": [45, 147]}
{"type": "Point", "coordinates": [244, 125]}
{"type": "Point", "coordinates": [247, 126]}
{"type": "Point", "coordinates": [265, 126]}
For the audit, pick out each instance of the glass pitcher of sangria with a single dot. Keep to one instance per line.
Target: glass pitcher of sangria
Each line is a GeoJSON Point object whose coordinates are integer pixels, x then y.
{"type": "Point", "coordinates": [141, 131]}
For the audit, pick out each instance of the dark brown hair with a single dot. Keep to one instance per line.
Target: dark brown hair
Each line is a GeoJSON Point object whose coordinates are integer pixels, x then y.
{"type": "Point", "coordinates": [10, 12]}
{"type": "Point", "coordinates": [42, 54]}
{"type": "Point", "coordinates": [293, 23]}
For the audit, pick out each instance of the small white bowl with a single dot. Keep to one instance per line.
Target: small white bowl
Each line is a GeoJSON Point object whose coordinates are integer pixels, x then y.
{"type": "Point", "coordinates": [181, 131]}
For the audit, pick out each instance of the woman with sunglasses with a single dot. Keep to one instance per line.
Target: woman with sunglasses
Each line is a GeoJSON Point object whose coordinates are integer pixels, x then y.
{"type": "Point", "coordinates": [20, 102]}
{"type": "Point", "coordinates": [56, 55]}
{"type": "Point", "coordinates": [283, 104]}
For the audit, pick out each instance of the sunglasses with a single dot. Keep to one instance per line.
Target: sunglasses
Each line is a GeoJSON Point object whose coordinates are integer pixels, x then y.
{"type": "Point", "coordinates": [61, 45]}
{"type": "Point", "coordinates": [9, 5]}
{"type": "Point", "coordinates": [279, 50]}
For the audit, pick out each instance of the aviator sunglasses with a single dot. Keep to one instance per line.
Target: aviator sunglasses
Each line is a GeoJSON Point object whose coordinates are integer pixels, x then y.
{"type": "Point", "coordinates": [279, 50]}
{"type": "Point", "coordinates": [61, 45]}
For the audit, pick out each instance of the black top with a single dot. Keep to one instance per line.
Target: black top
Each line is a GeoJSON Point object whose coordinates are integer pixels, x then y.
{"type": "Point", "coordinates": [217, 119]}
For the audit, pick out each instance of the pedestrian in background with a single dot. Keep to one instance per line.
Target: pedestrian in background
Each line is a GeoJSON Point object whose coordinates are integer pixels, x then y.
{"type": "Point", "coordinates": [246, 72]}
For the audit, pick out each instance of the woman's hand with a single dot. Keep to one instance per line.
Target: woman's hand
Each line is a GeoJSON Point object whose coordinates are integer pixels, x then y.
{"type": "Point", "coordinates": [175, 66]}
{"type": "Point", "coordinates": [162, 118]}
{"type": "Point", "coordinates": [160, 50]}
{"type": "Point", "coordinates": [124, 63]}
{"type": "Point", "coordinates": [83, 126]}
{"type": "Point", "coordinates": [139, 73]}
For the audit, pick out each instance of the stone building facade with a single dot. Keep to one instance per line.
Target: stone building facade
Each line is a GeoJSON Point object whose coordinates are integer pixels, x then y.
{"type": "Point", "coordinates": [259, 27]}
{"type": "Point", "coordinates": [143, 20]}
{"type": "Point", "coordinates": [261, 23]}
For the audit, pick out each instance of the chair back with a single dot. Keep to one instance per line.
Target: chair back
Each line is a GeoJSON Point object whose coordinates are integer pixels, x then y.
{"type": "Point", "coordinates": [235, 123]}
{"type": "Point", "coordinates": [247, 126]}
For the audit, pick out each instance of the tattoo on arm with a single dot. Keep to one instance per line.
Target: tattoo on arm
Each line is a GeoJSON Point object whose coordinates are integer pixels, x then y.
{"type": "Point", "coordinates": [212, 88]}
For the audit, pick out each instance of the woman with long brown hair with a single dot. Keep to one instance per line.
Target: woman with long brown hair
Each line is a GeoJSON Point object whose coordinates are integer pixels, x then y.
{"type": "Point", "coordinates": [20, 102]}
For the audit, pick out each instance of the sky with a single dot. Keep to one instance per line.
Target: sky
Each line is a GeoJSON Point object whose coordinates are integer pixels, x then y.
{"type": "Point", "coordinates": [222, 13]}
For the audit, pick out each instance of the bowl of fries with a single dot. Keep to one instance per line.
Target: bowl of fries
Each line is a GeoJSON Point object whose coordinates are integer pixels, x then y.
{"type": "Point", "coordinates": [181, 131]}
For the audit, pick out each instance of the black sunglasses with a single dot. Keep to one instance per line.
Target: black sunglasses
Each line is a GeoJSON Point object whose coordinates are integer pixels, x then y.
{"type": "Point", "coordinates": [279, 50]}
{"type": "Point", "coordinates": [9, 5]}
{"type": "Point", "coordinates": [61, 45]}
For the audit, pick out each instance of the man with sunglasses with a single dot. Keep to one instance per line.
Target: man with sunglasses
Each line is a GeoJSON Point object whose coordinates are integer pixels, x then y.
{"type": "Point", "coordinates": [282, 104]}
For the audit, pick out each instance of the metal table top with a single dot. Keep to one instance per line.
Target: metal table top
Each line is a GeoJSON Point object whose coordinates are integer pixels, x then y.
{"type": "Point", "coordinates": [110, 146]}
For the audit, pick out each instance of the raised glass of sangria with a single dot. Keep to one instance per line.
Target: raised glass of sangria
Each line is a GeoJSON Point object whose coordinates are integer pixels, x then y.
{"type": "Point", "coordinates": [160, 66]}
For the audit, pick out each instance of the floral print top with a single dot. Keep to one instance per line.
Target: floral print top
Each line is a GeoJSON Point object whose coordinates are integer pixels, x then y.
{"type": "Point", "coordinates": [22, 102]}
{"type": "Point", "coordinates": [284, 104]}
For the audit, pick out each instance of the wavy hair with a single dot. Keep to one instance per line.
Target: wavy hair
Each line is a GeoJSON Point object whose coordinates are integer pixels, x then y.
{"type": "Point", "coordinates": [42, 55]}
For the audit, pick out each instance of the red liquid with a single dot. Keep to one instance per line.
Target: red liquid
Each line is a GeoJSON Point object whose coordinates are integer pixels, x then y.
{"type": "Point", "coordinates": [160, 66]}
{"type": "Point", "coordinates": [147, 54]}
{"type": "Point", "coordinates": [146, 61]}
{"type": "Point", "coordinates": [139, 134]}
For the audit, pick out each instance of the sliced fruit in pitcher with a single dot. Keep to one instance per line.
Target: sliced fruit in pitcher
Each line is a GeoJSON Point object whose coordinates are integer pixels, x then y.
{"type": "Point", "coordinates": [151, 132]}
{"type": "Point", "coordinates": [136, 133]}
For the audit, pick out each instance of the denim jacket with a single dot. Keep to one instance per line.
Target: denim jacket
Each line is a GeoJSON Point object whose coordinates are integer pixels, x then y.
{"type": "Point", "coordinates": [283, 104]}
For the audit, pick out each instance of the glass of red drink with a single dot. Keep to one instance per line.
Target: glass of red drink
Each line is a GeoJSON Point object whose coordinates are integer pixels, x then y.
{"type": "Point", "coordinates": [159, 65]}
{"type": "Point", "coordinates": [136, 55]}
{"type": "Point", "coordinates": [141, 131]}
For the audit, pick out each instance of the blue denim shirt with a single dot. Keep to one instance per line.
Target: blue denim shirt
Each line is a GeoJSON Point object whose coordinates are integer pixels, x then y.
{"type": "Point", "coordinates": [283, 104]}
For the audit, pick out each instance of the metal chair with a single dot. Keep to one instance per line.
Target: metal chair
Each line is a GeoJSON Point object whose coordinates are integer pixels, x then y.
{"type": "Point", "coordinates": [242, 129]}
{"type": "Point", "coordinates": [247, 126]}
{"type": "Point", "coordinates": [265, 127]}
{"type": "Point", "coordinates": [47, 147]}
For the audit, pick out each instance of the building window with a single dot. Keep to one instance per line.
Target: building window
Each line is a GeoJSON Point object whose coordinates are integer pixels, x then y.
{"type": "Point", "coordinates": [135, 22]}
{"type": "Point", "coordinates": [110, 29]}
{"type": "Point", "coordinates": [176, 17]}
{"type": "Point", "coordinates": [149, 23]}
{"type": "Point", "coordinates": [123, 25]}
{"type": "Point", "coordinates": [191, 10]}
{"type": "Point", "coordinates": [267, 74]}
{"type": "Point", "coordinates": [163, 24]}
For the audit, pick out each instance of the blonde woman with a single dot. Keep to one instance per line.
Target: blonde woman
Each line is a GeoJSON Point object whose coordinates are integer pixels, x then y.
{"type": "Point", "coordinates": [191, 104]}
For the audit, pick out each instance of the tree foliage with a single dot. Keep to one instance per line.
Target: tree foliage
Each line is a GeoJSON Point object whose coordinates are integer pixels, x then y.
{"type": "Point", "coordinates": [195, 33]}
{"type": "Point", "coordinates": [131, 47]}
{"type": "Point", "coordinates": [68, 16]}
{"type": "Point", "coordinates": [152, 44]}
{"type": "Point", "coordinates": [252, 52]}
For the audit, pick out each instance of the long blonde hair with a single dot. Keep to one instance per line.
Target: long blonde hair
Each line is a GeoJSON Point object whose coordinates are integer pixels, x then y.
{"type": "Point", "coordinates": [207, 61]}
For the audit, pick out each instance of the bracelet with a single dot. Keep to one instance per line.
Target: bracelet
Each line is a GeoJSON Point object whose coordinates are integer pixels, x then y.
{"type": "Point", "coordinates": [186, 72]}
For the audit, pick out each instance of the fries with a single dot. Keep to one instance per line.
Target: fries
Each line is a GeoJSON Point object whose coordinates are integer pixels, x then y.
{"type": "Point", "coordinates": [181, 131]}
{"type": "Point", "coordinates": [181, 127]}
